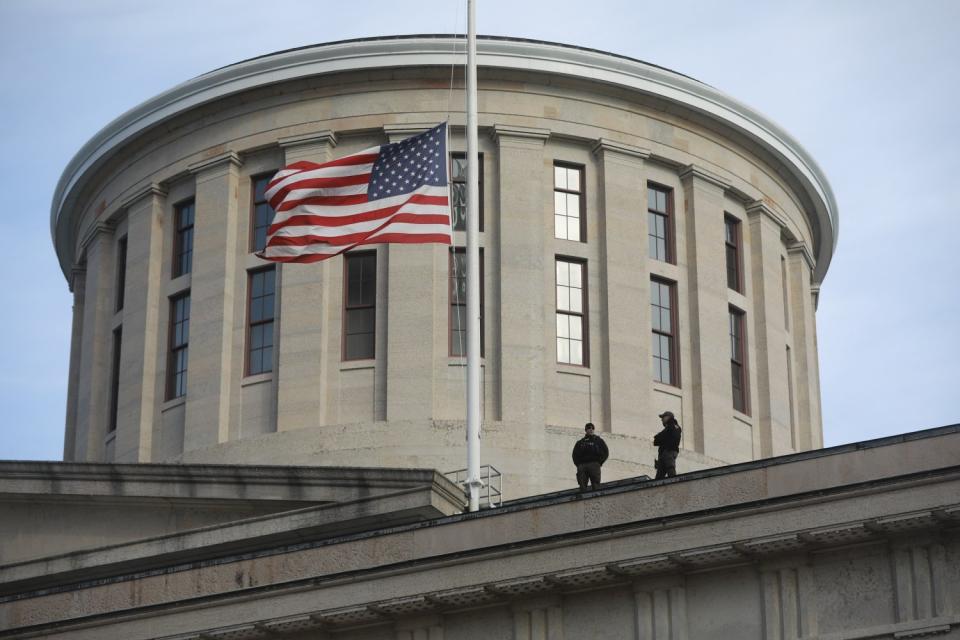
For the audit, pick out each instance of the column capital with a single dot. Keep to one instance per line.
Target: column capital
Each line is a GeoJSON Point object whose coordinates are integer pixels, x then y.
{"type": "Point", "coordinates": [803, 250]}
{"type": "Point", "coordinates": [96, 230]}
{"type": "Point", "coordinates": [398, 132]}
{"type": "Point", "coordinates": [325, 137]}
{"type": "Point", "coordinates": [758, 208]}
{"type": "Point", "coordinates": [78, 274]}
{"type": "Point", "coordinates": [526, 136]}
{"type": "Point", "coordinates": [151, 189]}
{"type": "Point", "coordinates": [228, 158]}
{"type": "Point", "coordinates": [692, 171]}
{"type": "Point", "coordinates": [628, 151]}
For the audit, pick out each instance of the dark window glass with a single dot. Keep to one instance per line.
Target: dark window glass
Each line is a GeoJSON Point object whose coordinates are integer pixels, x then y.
{"type": "Point", "coordinates": [183, 239]}
{"type": "Point", "coordinates": [262, 214]}
{"type": "Point", "coordinates": [458, 303]}
{"type": "Point", "coordinates": [738, 362]}
{"type": "Point", "coordinates": [260, 312]}
{"type": "Point", "coordinates": [732, 240]}
{"type": "Point", "coordinates": [360, 306]}
{"type": "Point", "coordinates": [121, 272]}
{"type": "Point", "coordinates": [571, 312]}
{"type": "Point", "coordinates": [664, 337]}
{"type": "Point", "coordinates": [659, 223]}
{"type": "Point", "coordinates": [179, 341]}
{"type": "Point", "coordinates": [115, 378]}
{"type": "Point", "coordinates": [458, 191]}
{"type": "Point", "coordinates": [568, 203]}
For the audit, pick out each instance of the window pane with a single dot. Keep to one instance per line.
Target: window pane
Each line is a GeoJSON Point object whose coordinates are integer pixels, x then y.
{"type": "Point", "coordinates": [563, 350]}
{"type": "Point", "coordinates": [573, 179]}
{"type": "Point", "coordinates": [563, 298]}
{"type": "Point", "coordinates": [665, 324]}
{"type": "Point", "coordinates": [563, 272]}
{"type": "Point", "coordinates": [559, 178]}
{"type": "Point", "coordinates": [661, 201]}
{"type": "Point", "coordinates": [576, 300]}
{"type": "Point", "coordinates": [576, 274]}
{"type": "Point", "coordinates": [256, 361]}
{"type": "Point", "coordinates": [563, 326]}
{"type": "Point", "coordinates": [576, 352]}
{"type": "Point", "coordinates": [573, 229]}
{"type": "Point", "coordinates": [360, 321]}
{"type": "Point", "coordinates": [359, 346]}
{"type": "Point", "coordinates": [651, 199]}
{"type": "Point", "coordinates": [576, 327]}
{"type": "Point", "coordinates": [559, 203]}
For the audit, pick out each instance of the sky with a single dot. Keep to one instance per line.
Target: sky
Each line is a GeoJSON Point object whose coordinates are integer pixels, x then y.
{"type": "Point", "coordinates": [868, 87]}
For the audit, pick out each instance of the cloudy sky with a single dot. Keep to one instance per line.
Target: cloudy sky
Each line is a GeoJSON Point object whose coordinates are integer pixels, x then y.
{"type": "Point", "coordinates": [869, 87]}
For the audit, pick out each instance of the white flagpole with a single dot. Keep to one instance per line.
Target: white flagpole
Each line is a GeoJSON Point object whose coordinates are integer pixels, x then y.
{"type": "Point", "coordinates": [473, 269]}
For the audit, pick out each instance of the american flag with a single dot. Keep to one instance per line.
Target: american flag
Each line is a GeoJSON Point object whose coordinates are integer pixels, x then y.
{"type": "Point", "coordinates": [392, 193]}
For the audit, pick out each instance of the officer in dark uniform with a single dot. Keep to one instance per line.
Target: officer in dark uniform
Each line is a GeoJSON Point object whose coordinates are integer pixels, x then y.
{"type": "Point", "coordinates": [589, 453]}
{"type": "Point", "coordinates": [668, 443]}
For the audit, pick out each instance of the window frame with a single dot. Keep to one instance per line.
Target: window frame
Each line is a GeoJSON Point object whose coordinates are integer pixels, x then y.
{"type": "Point", "coordinates": [174, 349]}
{"type": "Point", "coordinates": [462, 155]}
{"type": "Point", "coordinates": [738, 320]}
{"type": "Point", "coordinates": [451, 285]}
{"type": "Point", "coordinates": [178, 232]}
{"type": "Point", "coordinates": [584, 314]}
{"type": "Point", "coordinates": [252, 237]}
{"type": "Point", "coordinates": [669, 216]}
{"type": "Point", "coordinates": [250, 324]}
{"type": "Point", "coordinates": [120, 278]}
{"type": "Point", "coordinates": [347, 308]}
{"type": "Point", "coordinates": [115, 379]}
{"type": "Point", "coordinates": [736, 247]}
{"type": "Point", "coordinates": [582, 193]}
{"type": "Point", "coordinates": [672, 337]}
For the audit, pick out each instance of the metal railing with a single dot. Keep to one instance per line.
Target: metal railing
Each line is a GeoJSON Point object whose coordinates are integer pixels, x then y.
{"type": "Point", "coordinates": [491, 493]}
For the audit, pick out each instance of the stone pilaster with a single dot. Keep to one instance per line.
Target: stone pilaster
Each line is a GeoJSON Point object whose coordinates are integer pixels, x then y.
{"type": "Point", "coordinates": [625, 317]}
{"type": "Point", "coordinates": [211, 374]}
{"type": "Point", "coordinates": [141, 355]}
{"type": "Point", "coordinates": [526, 271]}
{"type": "Point", "coordinates": [921, 585]}
{"type": "Point", "coordinates": [540, 619]}
{"type": "Point", "coordinates": [419, 628]}
{"type": "Point", "coordinates": [708, 310]}
{"type": "Point", "coordinates": [661, 611]}
{"type": "Point", "coordinates": [803, 328]}
{"type": "Point", "coordinates": [789, 608]}
{"type": "Point", "coordinates": [94, 379]}
{"type": "Point", "coordinates": [771, 405]}
{"type": "Point", "coordinates": [302, 318]}
{"type": "Point", "coordinates": [78, 277]}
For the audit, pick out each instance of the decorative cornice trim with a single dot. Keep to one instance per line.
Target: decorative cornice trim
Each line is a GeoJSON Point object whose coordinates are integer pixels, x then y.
{"type": "Point", "coordinates": [761, 208]}
{"type": "Point", "coordinates": [326, 136]}
{"type": "Point", "coordinates": [397, 132]}
{"type": "Point", "coordinates": [499, 131]}
{"type": "Point", "coordinates": [804, 251]}
{"type": "Point", "coordinates": [94, 231]}
{"type": "Point", "coordinates": [227, 157]}
{"type": "Point", "coordinates": [150, 189]}
{"type": "Point", "coordinates": [605, 144]}
{"type": "Point", "coordinates": [694, 171]}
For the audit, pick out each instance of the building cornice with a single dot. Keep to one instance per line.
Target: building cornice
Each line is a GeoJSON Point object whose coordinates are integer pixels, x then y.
{"type": "Point", "coordinates": [229, 158]}
{"type": "Point", "coordinates": [151, 189]}
{"type": "Point", "coordinates": [405, 52]}
{"type": "Point", "coordinates": [321, 137]}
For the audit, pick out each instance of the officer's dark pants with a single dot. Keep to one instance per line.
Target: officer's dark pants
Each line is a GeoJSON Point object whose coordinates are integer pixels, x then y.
{"type": "Point", "coordinates": [666, 464]}
{"type": "Point", "coordinates": [588, 471]}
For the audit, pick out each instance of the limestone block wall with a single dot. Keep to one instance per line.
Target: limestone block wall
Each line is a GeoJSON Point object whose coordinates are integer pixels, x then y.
{"type": "Point", "coordinates": [412, 387]}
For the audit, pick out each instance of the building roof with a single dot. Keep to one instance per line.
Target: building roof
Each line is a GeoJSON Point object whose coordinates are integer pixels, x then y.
{"type": "Point", "coordinates": [434, 50]}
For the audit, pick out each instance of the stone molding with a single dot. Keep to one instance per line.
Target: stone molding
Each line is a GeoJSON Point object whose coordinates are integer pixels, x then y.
{"type": "Point", "coordinates": [151, 189]}
{"type": "Point", "coordinates": [326, 136]}
{"type": "Point", "coordinates": [619, 148]}
{"type": "Point", "coordinates": [804, 251]}
{"type": "Point", "coordinates": [695, 171]}
{"type": "Point", "coordinates": [541, 592]}
{"type": "Point", "coordinates": [227, 157]}
{"type": "Point", "coordinates": [397, 132]}
{"type": "Point", "coordinates": [93, 232]}
{"type": "Point", "coordinates": [501, 132]}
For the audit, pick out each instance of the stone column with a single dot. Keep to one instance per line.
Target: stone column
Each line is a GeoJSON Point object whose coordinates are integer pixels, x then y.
{"type": "Point", "coordinates": [142, 349]}
{"type": "Point", "coordinates": [624, 288]}
{"type": "Point", "coordinates": [78, 276]}
{"type": "Point", "coordinates": [806, 374]}
{"type": "Point", "coordinates": [708, 310]}
{"type": "Point", "coordinates": [299, 377]}
{"type": "Point", "coordinates": [771, 406]}
{"type": "Point", "coordinates": [526, 271]}
{"type": "Point", "coordinates": [210, 372]}
{"type": "Point", "coordinates": [94, 371]}
{"type": "Point", "coordinates": [661, 610]}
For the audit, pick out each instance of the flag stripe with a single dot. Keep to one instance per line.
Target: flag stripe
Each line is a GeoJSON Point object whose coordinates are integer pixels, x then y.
{"type": "Point", "coordinates": [325, 209]}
